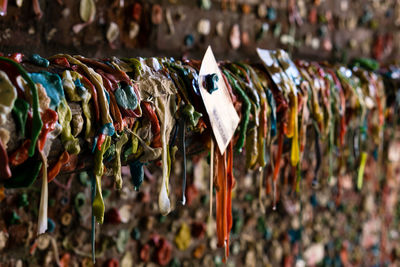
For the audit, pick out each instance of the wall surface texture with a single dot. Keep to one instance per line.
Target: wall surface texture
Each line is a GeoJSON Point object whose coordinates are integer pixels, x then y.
{"type": "Point", "coordinates": [321, 224]}
{"type": "Point", "coordinates": [320, 29]}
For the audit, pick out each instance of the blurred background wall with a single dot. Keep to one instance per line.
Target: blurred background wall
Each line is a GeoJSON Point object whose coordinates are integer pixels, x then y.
{"type": "Point", "coordinates": [314, 29]}
{"type": "Point", "coordinates": [314, 223]}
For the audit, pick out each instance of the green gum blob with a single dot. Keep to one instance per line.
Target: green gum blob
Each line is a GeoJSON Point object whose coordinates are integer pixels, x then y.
{"type": "Point", "coordinates": [71, 144]}
{"type": "Point", "coordinates": [98, 202]}
{"type": "Point", "coordinates": [117, 162]}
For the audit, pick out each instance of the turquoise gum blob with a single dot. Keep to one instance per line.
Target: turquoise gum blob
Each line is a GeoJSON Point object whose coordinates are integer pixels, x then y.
{"type": "Point", "coordinates": [53, 85]}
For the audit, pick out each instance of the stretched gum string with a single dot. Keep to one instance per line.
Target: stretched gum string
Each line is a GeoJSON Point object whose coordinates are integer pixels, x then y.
{"type": "Point", "coordinates": [211, 175]}
{"type": "Point", "coordinates": [277, 166]}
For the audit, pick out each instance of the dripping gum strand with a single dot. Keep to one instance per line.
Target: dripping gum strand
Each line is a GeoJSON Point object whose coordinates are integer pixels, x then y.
{"type": "Point", "coordinates": [293, 127]}
{"type": "Point", "coordinates": [182, 129]}
{"type": "Point", "coordinates": [230, 184]}
{"type": "Point", "coordinates": [360, 176]}
{"type": "Point", "coordinates": [260, 191]}
{"type": "Point", "coordinates": [42, 220]}
{"type": "Point", "coordinates": [98, 203]}
{"type": "Point", "coordinates": [212, 166]}
{"type": "Point", "coordinates": [277, 164]}
{"type": "Point", "coordinates": [93, 217]}
{"type": "Point", "coordinates": [117, 162]}
{"type": "Point", "coordinates": [221, 197]}
{"type": "Point", "coordinates": [64, 159]}
{"type": "Point", "coordinates": [224, 185]}
{"type": "Point", "coordinates": [155, 124]}
{"type": "Point", "coordinates": [163, 105]}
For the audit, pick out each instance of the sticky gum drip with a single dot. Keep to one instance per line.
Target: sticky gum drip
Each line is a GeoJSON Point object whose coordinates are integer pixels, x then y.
{"type": "Point", "coordinates": [88, 114]}
{"type": "Point", "coordinates": [77, 92]}
{"type": "Point", "coordinates": [49, 118]}
{"type": "Point", "coordinates": [262, 134]}
{"type": "Point", "coordinates": [155, 124]}
{"type": "Point", "coordinates": [212, 167]}
{"type": "Point", "coordinates": [343, 127]}
{"type": "Point", "coordinates": [261, 148]}
{"type": "Point", "coordinates": [343, 123]}
{"type": "Point", "coordinates": [318, 115]}
{"type": "Point", "coordinates": [326, 97]}
{"type": "Point", "coordinates": [98, 203]}
{"type": "Point", "coordinates": [93, 221]}
{"type": "Point", "coordinates": [230, 185]}
{"type": "Point", "coordinates": [137, 173]}
{"type": "Point", "coordinates": [260, 190]}
{"type": "Point", "coordinates": [163, 110]}
{"type": "Point", "coordinates": [70, 143]}
{"type": "Point", "coordinates": [251, 147]}
{"type": "Point", "coordinates": [134, 139]}
{"type": "Point", "coordinates": [295, 152]}
{"type": "Point", "coordinates": [381, 115]}
{"type": "Point", "coordinates": [42, 219]}
{"type": "Point", "coordinates": [318, 157]}
{"type": "Point", "coordinates": [55, 170]}
{"type": "Point", "coordinates": [360, 176]}
{"type": "Point", "coordinates": [117, 162]}
{"type": "Point", "coordinates": [182, 129]}
{"type": "Point", "coordinates": [303, 125]}
{"type": "Point", "coordinates": [277, 164]}
{"type": "Point", "coordinates": [221, 197]}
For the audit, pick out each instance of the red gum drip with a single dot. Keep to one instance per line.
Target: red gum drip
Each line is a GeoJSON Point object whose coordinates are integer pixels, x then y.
{"type": "Point", "coordinates": [49, 118]}
{"type": "Point", "coordinates": [155, 124]}
{"type": "Point", "coordinates": [20, 155]}
{"type": "Point", "coordinates": [64, 159]}
{"type": "Point", "coordinates": [224, 184]}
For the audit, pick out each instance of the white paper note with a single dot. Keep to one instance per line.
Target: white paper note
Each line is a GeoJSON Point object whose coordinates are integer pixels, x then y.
{"type": "Point", "coordinates": [223, 117]}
